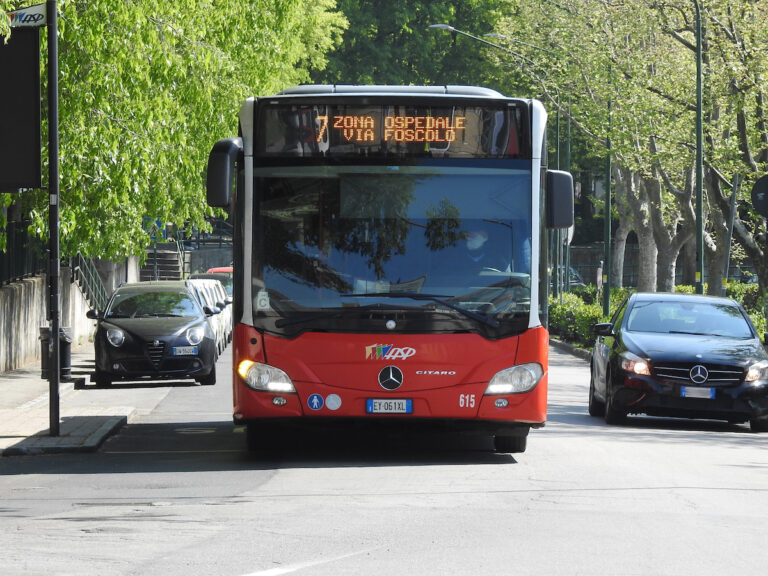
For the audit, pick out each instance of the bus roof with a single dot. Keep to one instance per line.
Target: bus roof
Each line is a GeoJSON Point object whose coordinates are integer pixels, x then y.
{"type": "Point", "coordinates": [382, 90]}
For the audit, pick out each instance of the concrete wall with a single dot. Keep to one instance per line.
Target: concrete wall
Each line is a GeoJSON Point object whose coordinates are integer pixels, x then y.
{"type": "Point", "coordinates": [23, 310]}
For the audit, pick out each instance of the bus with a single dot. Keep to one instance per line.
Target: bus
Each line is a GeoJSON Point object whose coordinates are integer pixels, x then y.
{"type": "Point", "coordinates": [390, 259]}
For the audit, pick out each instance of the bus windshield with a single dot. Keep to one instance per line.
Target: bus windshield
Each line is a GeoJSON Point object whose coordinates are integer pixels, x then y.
{"type": "Point", "coordinates": [447, 247]}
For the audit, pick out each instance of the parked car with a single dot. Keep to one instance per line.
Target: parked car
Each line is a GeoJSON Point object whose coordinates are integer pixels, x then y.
{"type": "Point", "coordinates": [682, 356]}
{"type": "Point", "coordinates": [212, 293]}
{"type": "Point", "coordinates": [154, 330]}
{"type": "Point", "coordinates": [224, 278]}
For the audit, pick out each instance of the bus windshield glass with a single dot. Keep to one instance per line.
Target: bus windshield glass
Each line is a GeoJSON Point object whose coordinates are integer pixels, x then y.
{"type": "Point", "coordinates": [445, 246]}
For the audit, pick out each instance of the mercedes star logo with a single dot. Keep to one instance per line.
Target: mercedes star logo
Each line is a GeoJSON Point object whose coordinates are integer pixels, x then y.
{"type": "Point", "coordinates": [390, 377]}
{"type": "Point", "coordinates": [699, 374]}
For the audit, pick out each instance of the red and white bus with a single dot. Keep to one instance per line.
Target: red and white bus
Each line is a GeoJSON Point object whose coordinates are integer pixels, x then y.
{"type": "Point", "coordinates": [390, 258]}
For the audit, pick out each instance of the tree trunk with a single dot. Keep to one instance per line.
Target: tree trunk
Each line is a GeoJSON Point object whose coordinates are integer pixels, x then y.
{"type": "Point", "coordinates": [617, 254]}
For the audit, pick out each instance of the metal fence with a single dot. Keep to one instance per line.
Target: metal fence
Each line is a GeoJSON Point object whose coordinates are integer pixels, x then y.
{"type": "Point", "coordinates": [24, 254]}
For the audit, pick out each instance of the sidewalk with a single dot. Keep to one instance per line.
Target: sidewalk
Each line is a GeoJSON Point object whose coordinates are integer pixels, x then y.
{"type": "Point", "coordinates": [85, 419]}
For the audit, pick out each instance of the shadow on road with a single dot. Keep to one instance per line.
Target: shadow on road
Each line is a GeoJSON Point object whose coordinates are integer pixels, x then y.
{"type": "Point", "coordinates": [220, 446]}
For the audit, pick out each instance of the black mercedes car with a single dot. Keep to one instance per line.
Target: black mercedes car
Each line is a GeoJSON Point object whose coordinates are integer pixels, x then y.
{"type": "Point", "coordinates": [681, 356]}
{"type": "Point", "coordinates": [154, 330]}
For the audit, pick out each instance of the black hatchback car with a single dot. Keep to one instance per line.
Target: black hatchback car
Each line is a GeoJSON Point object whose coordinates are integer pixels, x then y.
{"type": "Point", "coordinates": [681, 356]}
{"type": "Point", "coordinates": [154, 330]}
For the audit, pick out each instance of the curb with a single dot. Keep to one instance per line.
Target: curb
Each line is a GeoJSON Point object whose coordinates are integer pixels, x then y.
{"type": "Point", "coordinates": [571, 349]}
{"type": "Point", "coordinates": [92, 442]}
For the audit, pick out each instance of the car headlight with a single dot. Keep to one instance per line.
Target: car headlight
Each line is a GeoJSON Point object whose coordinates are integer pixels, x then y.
{"type": "Point", "coordinates": [265, 378]}
{"type": "Point", "coordinates": [757, 371]}
{"type": "Point", "coordinates": [516, 379]}
{"type": "Point", "coordinates": [115, 336]}
{"type": "Point", "coordinates": [195, 335]}
{"type": "Point", "coordinates": [634, 364]}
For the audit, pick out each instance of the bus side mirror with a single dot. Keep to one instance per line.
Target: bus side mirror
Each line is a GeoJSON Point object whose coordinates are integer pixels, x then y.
{"type": "Point", "coordinates": [559, 199]}
{"type": "Point", "coordinates": [222, 161]}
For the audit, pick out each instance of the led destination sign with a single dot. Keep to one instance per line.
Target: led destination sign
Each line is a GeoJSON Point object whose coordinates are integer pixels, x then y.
{"type": "Point", "coordinates": [395, 128]}
{"type": "Point", "coordinates": [371, 130]}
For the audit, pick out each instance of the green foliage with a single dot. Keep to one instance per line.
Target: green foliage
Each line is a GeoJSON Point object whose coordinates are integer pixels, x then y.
{"type": "Point", "coordinates": [390, 42]}
{"type": "Point", "coordinates": [145, 89]}
{"type": "Point", "coordinates": [572, 320]}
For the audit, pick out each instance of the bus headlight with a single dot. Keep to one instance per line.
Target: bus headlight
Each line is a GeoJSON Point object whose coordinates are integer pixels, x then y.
{"type": "Point", "coordinates": [516, 379]}
{"type": "Point", "coordinates": [265, 378]}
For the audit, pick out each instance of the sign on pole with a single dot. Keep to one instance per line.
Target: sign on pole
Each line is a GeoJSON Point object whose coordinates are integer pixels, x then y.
{"type": "Point", "coordinates": [20, 165]}
{"type": "Point", "coordinates": [30, 17]}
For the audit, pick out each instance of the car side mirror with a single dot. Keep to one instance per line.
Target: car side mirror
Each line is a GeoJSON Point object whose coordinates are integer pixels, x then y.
{"type": "Point", "coordinates": [603, 329]}
{"type": "Point", "coordinates": [93, 314]}
{"type": "Point", "coordinates": [211, 311]}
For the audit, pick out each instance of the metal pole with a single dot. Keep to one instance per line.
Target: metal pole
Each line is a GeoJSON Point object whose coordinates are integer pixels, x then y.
{"type": "Point", "coordinates": [699, 161]}
{"type": "Point", "coordinates": [53, 214]}
{"type": "Point", "coordinates": [607, 224]}
{"type": "Point", "coordinates": [568, 169]}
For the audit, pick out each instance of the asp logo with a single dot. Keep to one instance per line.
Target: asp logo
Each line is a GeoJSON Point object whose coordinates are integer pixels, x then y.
{"type": "Point", "coordinates": [388, 352]}
{"type": "Point", "coordinates": [32, 16]}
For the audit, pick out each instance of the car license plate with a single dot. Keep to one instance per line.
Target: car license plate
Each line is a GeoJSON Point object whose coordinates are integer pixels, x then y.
{"type": "Point", "coordinates": [184, 350]}
{"type": "Point", "coordinates": [694, 392]}
{"type": "Point", "coordinates": [389, 406]}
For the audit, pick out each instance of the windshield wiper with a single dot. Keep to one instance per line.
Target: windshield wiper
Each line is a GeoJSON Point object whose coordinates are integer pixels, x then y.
{"type": "Point", "coordinates": [333, 313]}
{"type": "Point", "coordinates": [689, 333]}
{"type": "Point", "coordinates": [436, 298]}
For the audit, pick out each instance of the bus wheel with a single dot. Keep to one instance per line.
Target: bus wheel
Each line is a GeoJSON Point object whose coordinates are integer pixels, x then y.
{"type": "Point", "coordinates": [259, 439]}
{"type": "Point", "coordinates": [510, 444]}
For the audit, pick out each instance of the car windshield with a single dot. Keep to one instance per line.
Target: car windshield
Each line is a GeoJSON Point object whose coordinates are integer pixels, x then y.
{"type": "Point", "coordinates": [701, 318]}
{"type": "Point", "coordinates": [131, 304]}
{"type": "Point", "coordinates": [346, 237]}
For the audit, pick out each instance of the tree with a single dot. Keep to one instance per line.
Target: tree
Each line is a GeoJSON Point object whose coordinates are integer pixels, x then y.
{"type": "Point", "coordinates": [639, 57]}
{"type": "Point", "coordinates": [146, 87]}
{"type": "Point", "coordinates": [389, 42]}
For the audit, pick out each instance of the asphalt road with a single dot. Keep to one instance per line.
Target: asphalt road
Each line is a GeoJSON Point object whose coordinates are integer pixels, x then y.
{"type": "Point", "coordinates": [177, 494]}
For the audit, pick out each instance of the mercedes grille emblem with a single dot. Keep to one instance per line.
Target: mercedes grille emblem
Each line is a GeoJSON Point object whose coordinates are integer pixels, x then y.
{"type": "Point", "coordinates": [699, 374]}
{"type": "Point", "coordinates": [390, 377]}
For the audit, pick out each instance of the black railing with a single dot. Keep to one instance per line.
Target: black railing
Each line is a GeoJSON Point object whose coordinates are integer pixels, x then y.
{"type": "Point", "coordinates": [24, 253]}
{"type": "Point", "coordinates": [85, 274]}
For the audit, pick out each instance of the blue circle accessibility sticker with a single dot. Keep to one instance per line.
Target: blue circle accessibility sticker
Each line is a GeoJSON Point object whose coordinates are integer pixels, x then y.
{"type": "Point", "coordinates": [315, 401]}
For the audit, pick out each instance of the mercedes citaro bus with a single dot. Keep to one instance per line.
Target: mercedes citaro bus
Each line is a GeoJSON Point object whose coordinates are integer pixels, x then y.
{"type": "Point", "coordinates": [390, 258]}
